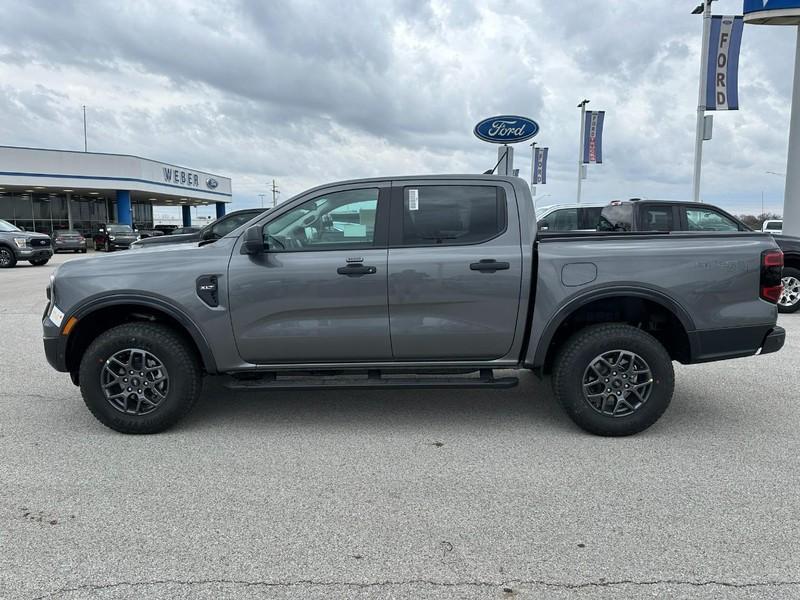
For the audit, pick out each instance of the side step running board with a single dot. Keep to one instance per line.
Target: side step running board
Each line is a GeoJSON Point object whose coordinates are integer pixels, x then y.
{"type": "Point", "coordinates": [374, 380]}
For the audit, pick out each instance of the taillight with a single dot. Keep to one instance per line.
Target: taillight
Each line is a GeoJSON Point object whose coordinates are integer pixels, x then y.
{"type": "Point", "coordinates": [771, 275]}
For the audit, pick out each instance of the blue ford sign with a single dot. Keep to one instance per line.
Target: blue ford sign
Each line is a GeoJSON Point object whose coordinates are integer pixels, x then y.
{"type": "Point", "coordinates": [212, 183]}
{"type": "Point", "coordinates": [506, 129]}
{"type": "Point", "coordinates": [772, 12]}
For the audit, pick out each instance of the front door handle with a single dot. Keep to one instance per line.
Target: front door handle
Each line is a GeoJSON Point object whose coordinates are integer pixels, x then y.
{"type": "Point", "coordinates": [489, 265]}
{"type": "Point", "coordinates": [356, 270]}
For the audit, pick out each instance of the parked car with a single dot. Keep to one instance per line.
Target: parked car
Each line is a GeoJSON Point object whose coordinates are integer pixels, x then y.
{"type": "Point", "coordinates": [114, 236]}
{"type": "Point", "coordinates": [185, 230]}
{"type": "Point", "coordinates": [569, 217]}
{"type": "Point", "coordinates": [213, 231]}
{"type": "Point", "coordinates": [68, 240]}
{"type": "Point", "coordinates": [166, 229]}
{"type": "Point", "coordinates": [17, 244]}
{"type": "Point", "coordinates": [410, 282]}
{"type": "Point", "coordinates": [146, 233]}
{"type": "Point", "coordinates": [667, 215]}
{"type": "Point", "coordinates": [772, 226]}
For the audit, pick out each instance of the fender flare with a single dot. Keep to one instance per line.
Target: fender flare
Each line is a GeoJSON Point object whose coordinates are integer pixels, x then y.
{"type": "Point", "coordinates": [575, 304]}
{"type": "Point", "coordinates": [150, 300]}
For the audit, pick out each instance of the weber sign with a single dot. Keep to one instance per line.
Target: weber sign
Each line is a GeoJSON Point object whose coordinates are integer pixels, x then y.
{"type": "Point", "coordinates": [506, 129]}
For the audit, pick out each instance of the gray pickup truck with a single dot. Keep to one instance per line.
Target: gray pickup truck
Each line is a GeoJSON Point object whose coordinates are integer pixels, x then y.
{"type": "Point", "coordinates": [411, 282]}
{"type": "Point", "coordinates": [17, 245]}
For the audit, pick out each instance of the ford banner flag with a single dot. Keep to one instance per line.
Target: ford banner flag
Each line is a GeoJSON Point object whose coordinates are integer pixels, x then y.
{"type": "Point", "coordinates": [722, 77]}
{"type": "Point", "coordinates": [540, 165]}
{"type": "Point", "coordinates": [593, 137]}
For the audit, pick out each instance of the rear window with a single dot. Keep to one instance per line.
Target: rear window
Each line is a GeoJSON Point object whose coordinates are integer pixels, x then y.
{"type": "Point", "coordinates": [452, 214]}
{"type": "Point", "coordinates": [657, 218]}
{"type": "Point", "coordinates": [616, 217]}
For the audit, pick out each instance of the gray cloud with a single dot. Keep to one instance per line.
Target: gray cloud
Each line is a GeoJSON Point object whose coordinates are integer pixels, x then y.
{"type": "Point", "coordinates": [312, 91]}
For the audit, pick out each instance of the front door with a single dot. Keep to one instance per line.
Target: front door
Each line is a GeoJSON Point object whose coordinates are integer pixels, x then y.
{"type": "Point", "coordinates": [318, 295]}
{"type": "Point", "coordinates": [455, 271]}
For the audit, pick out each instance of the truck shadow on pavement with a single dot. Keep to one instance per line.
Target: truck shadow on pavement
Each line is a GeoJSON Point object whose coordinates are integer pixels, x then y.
{"type": "Point", "coordinates": [530, 404]}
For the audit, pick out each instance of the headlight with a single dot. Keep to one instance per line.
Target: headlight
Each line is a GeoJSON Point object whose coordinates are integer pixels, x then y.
{"type": "Point", "coordinates": [112, 238]}
{"type": "Point", "coordinates": [20, 242]}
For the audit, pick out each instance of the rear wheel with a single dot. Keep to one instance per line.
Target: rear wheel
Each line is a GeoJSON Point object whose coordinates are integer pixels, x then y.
{"type": "Point", "coordinates": [140, 378]}
{"type": "Point", "coordinates": [789, 301]}
{"type": "Point", "coordinates": [7, 258]}
{"type": "Point", "coordinates": [613, 379]}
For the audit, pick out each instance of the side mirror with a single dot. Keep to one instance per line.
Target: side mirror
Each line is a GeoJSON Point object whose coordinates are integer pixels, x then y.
{"type": "Point", "coordinates": [254, 240]}
{"type": "Point", "coordinates": [543, 225]}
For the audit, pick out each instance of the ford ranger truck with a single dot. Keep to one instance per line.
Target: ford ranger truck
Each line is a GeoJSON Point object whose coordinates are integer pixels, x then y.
{"type": "Point", "coordinates": [411, 282]}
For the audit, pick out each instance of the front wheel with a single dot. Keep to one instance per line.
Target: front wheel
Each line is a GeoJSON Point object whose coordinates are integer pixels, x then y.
{"type": "Point", "coordinates": [789, 301]}
{"type": "Point", "coordinates": [140, 378]}
{"type": "Point", "coordinates": [613, 379]}
{"type": "Point", "coordinates": [7, 258]}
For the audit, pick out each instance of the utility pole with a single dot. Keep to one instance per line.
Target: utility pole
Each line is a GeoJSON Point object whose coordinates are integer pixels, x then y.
{"type": "Point", "coordinates": [275, 192]}
{"type": "Point", "coordinates": [582, 106]}
{"type": "Point", "coordinates": [533, 169]}
{"type": "Point", "coordinates": [85, 144]}
{"type": "Point", "coordinates": [262, 199]}
{"type": "Point", "coordinates": [705, 8]}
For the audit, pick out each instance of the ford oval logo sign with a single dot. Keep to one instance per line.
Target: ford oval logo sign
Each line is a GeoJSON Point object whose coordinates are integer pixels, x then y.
{"type": "Point", "coordinates": [506, 129]}
{"type": "Point", "coordinates": [212, 183]}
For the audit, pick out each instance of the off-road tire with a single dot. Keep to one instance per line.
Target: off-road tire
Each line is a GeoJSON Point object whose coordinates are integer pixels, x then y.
{"type": "Point", "coordinates": [179, 359]}
{"type": "Point", "coordinates": [587, 344]}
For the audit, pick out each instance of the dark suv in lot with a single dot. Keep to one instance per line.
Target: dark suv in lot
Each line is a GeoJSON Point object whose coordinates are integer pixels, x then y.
{"type": "Point", "coordinates": [211, 232]}
{"type": "Point", "coordinates": [16, 245]}
{"type": "Point", "coordinates": [114, 237]}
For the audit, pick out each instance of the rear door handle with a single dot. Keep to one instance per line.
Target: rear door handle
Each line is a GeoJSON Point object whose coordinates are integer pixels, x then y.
{"type": "Point", "coordinates": [356, 270]}
{"type": "Point", "coordinates": [489, 265]}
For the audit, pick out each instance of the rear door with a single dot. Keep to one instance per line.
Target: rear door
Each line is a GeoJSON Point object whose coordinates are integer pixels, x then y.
{"type": "Point", "coordinates": [455, 270]}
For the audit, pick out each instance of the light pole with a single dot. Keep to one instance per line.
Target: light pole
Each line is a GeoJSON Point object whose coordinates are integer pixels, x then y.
{"type": "Point", "coordinates": [705, 10]}
{"type": "Point", "coordinates": [582, 106]}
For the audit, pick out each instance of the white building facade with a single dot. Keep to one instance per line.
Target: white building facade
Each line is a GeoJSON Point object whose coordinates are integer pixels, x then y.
{"type": "Point", "coordinates": [45, 190]}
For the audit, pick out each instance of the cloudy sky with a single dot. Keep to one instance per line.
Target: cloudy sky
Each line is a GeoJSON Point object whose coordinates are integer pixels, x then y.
{"type": "Point", "coordinates": [308, 92]}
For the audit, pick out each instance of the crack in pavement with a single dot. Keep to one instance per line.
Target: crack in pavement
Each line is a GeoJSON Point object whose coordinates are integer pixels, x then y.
{"type": "Point", "coordinates": [397, 583]}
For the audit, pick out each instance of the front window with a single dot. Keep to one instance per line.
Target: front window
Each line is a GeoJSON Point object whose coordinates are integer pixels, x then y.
{"type": "Point", "coordinates": [6, 226]}
{"type": "Point", "coordinates": [708, 220]}
{"type": "Point", "coordinates": [337, 220]}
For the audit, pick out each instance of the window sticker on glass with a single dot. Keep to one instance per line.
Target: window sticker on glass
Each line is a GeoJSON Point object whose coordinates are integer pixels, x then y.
{"type": "Point", "coordinates": [413, 199]}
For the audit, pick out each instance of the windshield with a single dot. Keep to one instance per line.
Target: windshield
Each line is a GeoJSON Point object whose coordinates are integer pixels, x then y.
{"type": "Point", "coordinates": [120, 229]}
{"type": "Point", "coordinates": [774, 226]}
{"type": "Point", "coordinates": [6, 226]}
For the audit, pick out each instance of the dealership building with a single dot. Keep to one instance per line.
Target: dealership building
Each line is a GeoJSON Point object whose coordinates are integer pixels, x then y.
{"type": "Point", "coordinates": [44, 190]}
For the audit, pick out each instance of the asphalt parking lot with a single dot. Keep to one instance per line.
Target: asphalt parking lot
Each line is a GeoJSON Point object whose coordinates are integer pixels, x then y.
{"type": "Point", "coordinates": [400, 494]}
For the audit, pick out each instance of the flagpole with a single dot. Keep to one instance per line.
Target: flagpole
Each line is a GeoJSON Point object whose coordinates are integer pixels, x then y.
{"type": "Point", "coordinates": [701, 102]}
{"type": "Point", "coordinates": [533, 169]}
{"type": "Point", "coordinates": [582, 106]}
